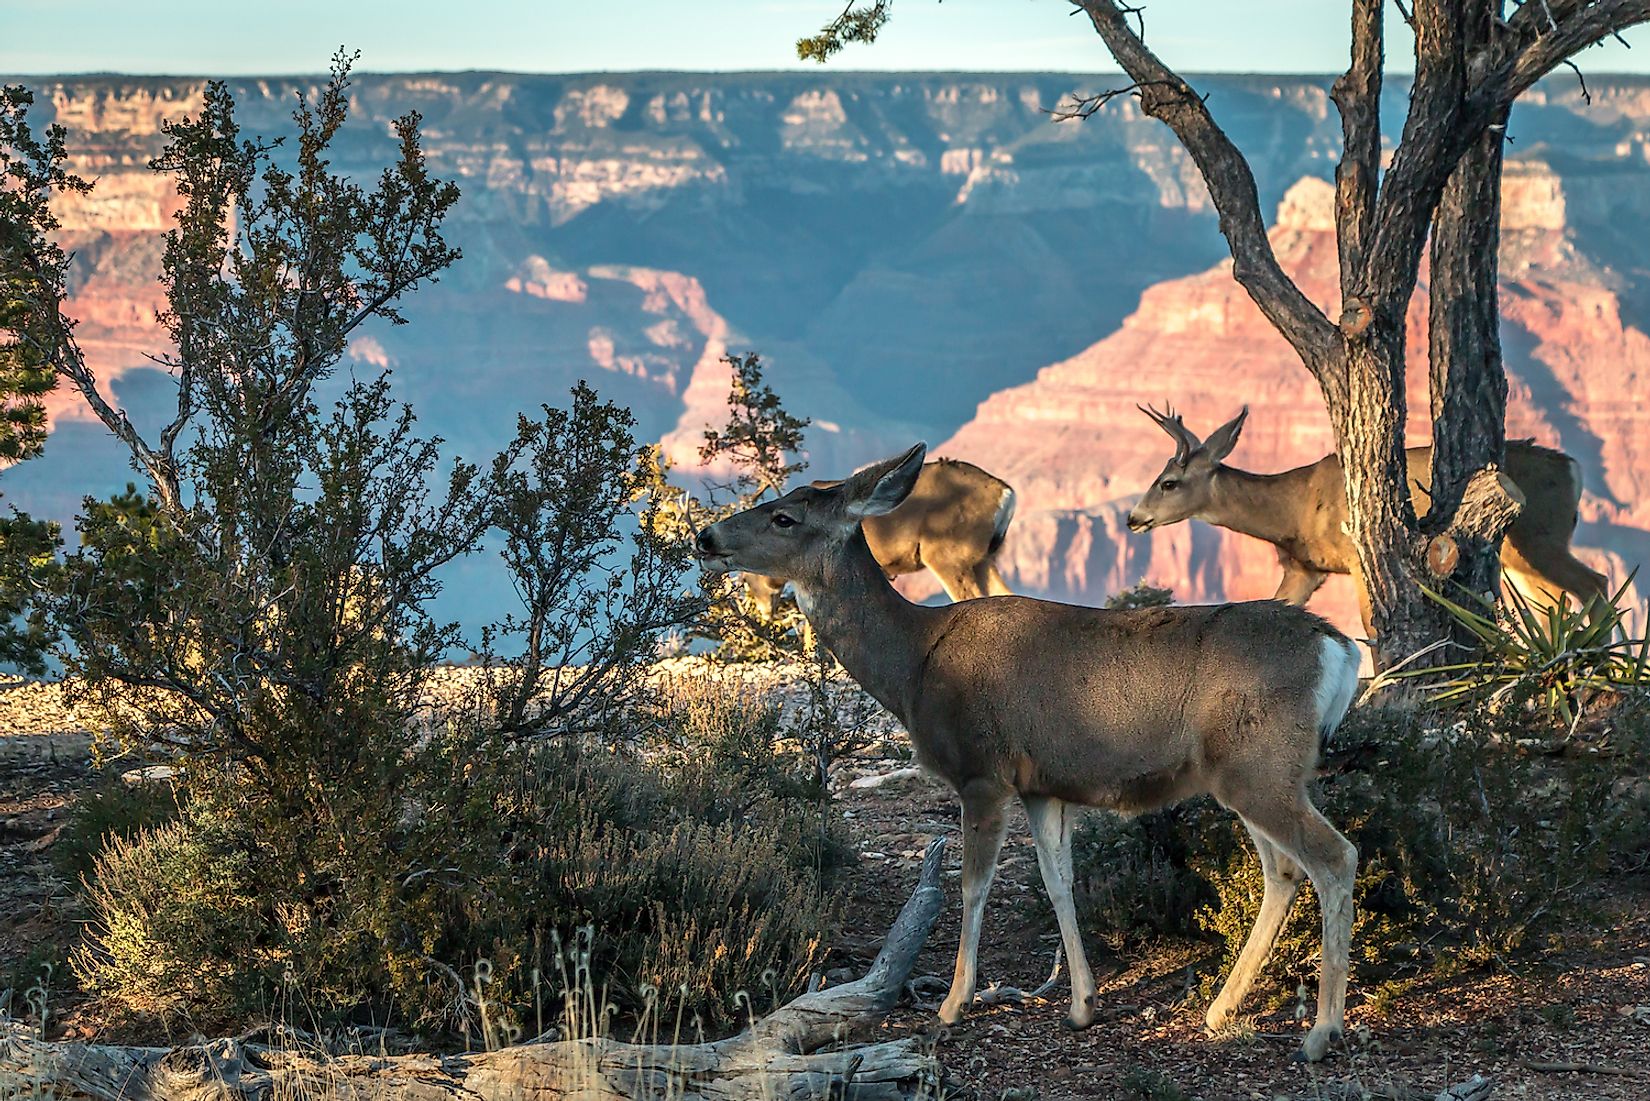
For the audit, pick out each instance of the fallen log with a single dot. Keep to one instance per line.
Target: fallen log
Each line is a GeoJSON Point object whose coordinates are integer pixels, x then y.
{"type": "Point", "coordinates": [781, 1056]}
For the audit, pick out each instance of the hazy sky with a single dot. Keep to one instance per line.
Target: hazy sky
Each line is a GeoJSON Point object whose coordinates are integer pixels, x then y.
{"type": "Point", "coordinates": [294, 36]}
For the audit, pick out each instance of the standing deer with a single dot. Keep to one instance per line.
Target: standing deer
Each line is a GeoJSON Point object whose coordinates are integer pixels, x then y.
{"type": "Point", "coordinates": [1302, 511]}
{"type": "Point", "coordinates": [952, 524]}
{"type": "Point", "coordinates": [1065, 706]}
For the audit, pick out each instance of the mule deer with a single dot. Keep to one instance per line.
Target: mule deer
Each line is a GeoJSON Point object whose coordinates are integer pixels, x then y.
{"type": "Point", "coordinates": [1066, 706]}
{"type": "Point", "coordinates": [952, 524]}
{"type": "Point", "coordinates": [1302, 511]}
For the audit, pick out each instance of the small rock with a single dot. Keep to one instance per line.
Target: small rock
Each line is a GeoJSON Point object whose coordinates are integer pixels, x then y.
{"type": "Point", "coordinates": [148, 774]}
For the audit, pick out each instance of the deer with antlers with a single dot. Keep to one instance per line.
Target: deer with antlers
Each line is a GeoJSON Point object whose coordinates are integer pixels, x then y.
{"type": "Point", "coordinates": [953, 524]}
{"type": "Point", "coordinates": [1065, 707]}
{"type": "Point", "coordinates": [1302, 512]}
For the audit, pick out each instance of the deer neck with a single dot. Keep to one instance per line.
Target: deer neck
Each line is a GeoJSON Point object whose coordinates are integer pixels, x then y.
{"type": "Point", "coordinates": [1266, 506]}
{"type": "Point", "coordinates": [880, 638]}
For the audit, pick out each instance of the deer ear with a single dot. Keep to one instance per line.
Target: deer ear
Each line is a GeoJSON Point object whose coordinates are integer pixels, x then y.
{"type": "Point", "coordinates": [881, 489]}
{"type": "Point", "coordinates": [1223, 439]}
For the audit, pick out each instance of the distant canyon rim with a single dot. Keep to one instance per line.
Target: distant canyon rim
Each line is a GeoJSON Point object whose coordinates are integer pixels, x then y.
{"type": "Point", "coordinates": [915, 256]}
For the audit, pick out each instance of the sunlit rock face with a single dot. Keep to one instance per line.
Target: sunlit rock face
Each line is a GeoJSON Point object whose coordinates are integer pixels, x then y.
{"type": "Point", "coordinates": [915, 256]}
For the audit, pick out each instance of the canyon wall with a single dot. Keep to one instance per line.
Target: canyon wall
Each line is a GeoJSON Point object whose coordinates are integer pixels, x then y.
{"type": "Point", "coordinates": [915, 256]}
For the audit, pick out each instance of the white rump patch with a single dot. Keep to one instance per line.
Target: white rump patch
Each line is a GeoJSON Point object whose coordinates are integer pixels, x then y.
{"type": "Point", "coordinates": [1338, 662]}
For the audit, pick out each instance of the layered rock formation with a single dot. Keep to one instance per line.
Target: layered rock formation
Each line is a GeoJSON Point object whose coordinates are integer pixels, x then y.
{"type": "Point", "coordinates": [1079, 452]}
{"type": "Point", "coordinates": [901, 249]}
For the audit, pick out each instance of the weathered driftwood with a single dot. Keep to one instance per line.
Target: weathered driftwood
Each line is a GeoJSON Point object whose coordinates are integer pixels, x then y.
{"type": "Point", "coordinates": [779, 1057]}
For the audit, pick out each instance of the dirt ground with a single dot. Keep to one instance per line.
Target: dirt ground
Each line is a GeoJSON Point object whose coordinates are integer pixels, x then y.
{"type": "Point", "coordinates": [1575, 1010]}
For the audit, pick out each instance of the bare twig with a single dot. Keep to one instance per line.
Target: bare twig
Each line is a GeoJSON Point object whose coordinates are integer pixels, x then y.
{"type": "Point", "coordinates": [1586, 96]}
{"type": "Point", "coordinates": [1083, 107]}
{"type": "Point", "coordinates": [1582, 1068]}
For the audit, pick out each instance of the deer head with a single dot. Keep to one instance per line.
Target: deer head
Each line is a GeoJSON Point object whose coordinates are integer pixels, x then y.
{"type": "Point", "coordinates": [1183, 489]}
{"type": "Point", "coordinates": [794, 538]}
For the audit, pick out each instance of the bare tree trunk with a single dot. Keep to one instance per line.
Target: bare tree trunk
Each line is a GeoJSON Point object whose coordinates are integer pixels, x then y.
{"type": "Point", "coordinates": [1468, 377]}
{"type": "Point", "coordinates": [1369, 431]}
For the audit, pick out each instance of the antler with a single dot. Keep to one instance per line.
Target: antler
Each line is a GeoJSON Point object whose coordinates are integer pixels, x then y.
{"type": "Point", "coordinates": [1184, 442]}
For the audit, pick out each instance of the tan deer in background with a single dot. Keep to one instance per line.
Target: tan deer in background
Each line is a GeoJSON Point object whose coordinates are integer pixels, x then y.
{"type": "Point", "coordinates": [1065, 706]}
{"type": "Point", "coordinates": [1302, 511]}
{"type": "Point", "coordinates": [953, 524]}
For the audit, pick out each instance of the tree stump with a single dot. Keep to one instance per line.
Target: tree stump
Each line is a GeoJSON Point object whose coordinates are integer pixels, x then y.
{"type": "Point", "coordinates": [1489, 505]}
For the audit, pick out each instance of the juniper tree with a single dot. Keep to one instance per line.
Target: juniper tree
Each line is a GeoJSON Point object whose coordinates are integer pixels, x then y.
{"type": "Point", "coordinates": [32, 169]}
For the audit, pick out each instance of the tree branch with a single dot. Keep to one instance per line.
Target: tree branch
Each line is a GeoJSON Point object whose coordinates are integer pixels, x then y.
{"type": "Point", "coordinates": [1550, 39]}
{"type": "Point", "coordinates": [1166, 97]}
{"type": "Point", "coordinates": [67, 358]}
{"type": "Point", "coordinates": [1435, 135]}
{"type": "Point", "coordinates": [1357, 95]}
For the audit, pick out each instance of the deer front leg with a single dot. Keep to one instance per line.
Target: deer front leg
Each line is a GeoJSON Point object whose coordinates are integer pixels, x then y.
{"type": "Point", "coordinates": [957, 579]}
{"type": "Point", "coordinates": [1051, 822]}
{"type": "Point", "coordinates": [1299, 581]}
{"type": "Point", "coordinates": [983, 825]}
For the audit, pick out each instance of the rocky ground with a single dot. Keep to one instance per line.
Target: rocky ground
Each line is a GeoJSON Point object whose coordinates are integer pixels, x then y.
{"type": "Point", "coordinates": [1574, 1025]}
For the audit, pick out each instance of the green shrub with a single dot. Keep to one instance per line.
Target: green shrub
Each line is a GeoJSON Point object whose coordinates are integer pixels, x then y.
{"type": "Point", "coordinates": [1134, 875]}
{"type": "Point", "coordinates": [111, 809]}
{"type": "Point", "coordinates": [701, 874]}
{"type": "Point", "coordinates": [1142, 594]}
{"type": "Point", "coordinates": [179, 928]}
{"type": "Point", "coordinates": [1470, 847]}
{"type": "Point", "coordinates": [696, 883]}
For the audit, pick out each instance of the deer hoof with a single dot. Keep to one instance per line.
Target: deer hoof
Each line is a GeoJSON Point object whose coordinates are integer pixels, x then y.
{"type": "Point", "coordinates": [951, 1013]}
{"type": "Point", "coordinates": [1078, 1021]}
{"type": "Point", "coordinates": [1318, 1043]}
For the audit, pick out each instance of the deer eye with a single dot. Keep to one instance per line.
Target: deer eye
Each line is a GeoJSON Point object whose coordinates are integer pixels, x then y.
{"type": "Point", "coordinates": [780, 520]}
{"type": "Point", "coordinates": [1169, 485]}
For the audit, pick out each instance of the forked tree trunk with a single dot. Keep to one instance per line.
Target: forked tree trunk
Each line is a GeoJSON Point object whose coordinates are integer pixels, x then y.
{"type": "Point", "coordinates": [1473, 58]}
{"type": "Point", "coordinates": [782, 1056]}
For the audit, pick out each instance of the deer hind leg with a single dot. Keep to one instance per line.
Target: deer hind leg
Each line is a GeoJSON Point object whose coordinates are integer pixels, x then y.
{"type": "Point", "coordinates": [1283, 880]}
{"type": "Point", "coordinates": [1546, 571]}
{"type": "Point", "coordinates": [983, 825]}
{"type": "Point", "coordinates": [1298, 831]}
{"type": "Point", "coordinates": [1051, 823]}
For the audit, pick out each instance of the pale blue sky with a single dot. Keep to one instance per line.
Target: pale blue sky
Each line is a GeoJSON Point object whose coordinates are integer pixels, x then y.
{"type": "Point", "coordinates": [225, 37]}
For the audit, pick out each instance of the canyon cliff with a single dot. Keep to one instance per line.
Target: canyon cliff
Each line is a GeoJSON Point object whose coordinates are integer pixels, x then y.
{"type": "Point", "coordinates": [915, 256]}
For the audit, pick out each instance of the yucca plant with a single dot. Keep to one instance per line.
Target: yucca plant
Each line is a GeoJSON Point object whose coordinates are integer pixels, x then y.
{"type": "Point", "coordinates": [1558, 657]}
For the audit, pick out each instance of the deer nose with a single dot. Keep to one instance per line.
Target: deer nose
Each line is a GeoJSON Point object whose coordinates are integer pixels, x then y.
{"type": "Point", "coordinates": [1138, 522]}
{"type": "Point", "coordinates": [706, 543]}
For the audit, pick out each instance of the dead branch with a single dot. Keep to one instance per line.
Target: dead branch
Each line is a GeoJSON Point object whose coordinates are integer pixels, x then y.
{"type": "Point", "coordinates": [1084, 107]}
{"type": "Point", "coordinates": [1357, 95]}
{"type": "Point", "coordinates": [1582, 1068]}
{"type": "Point", "coordinates": [1549, 34]}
